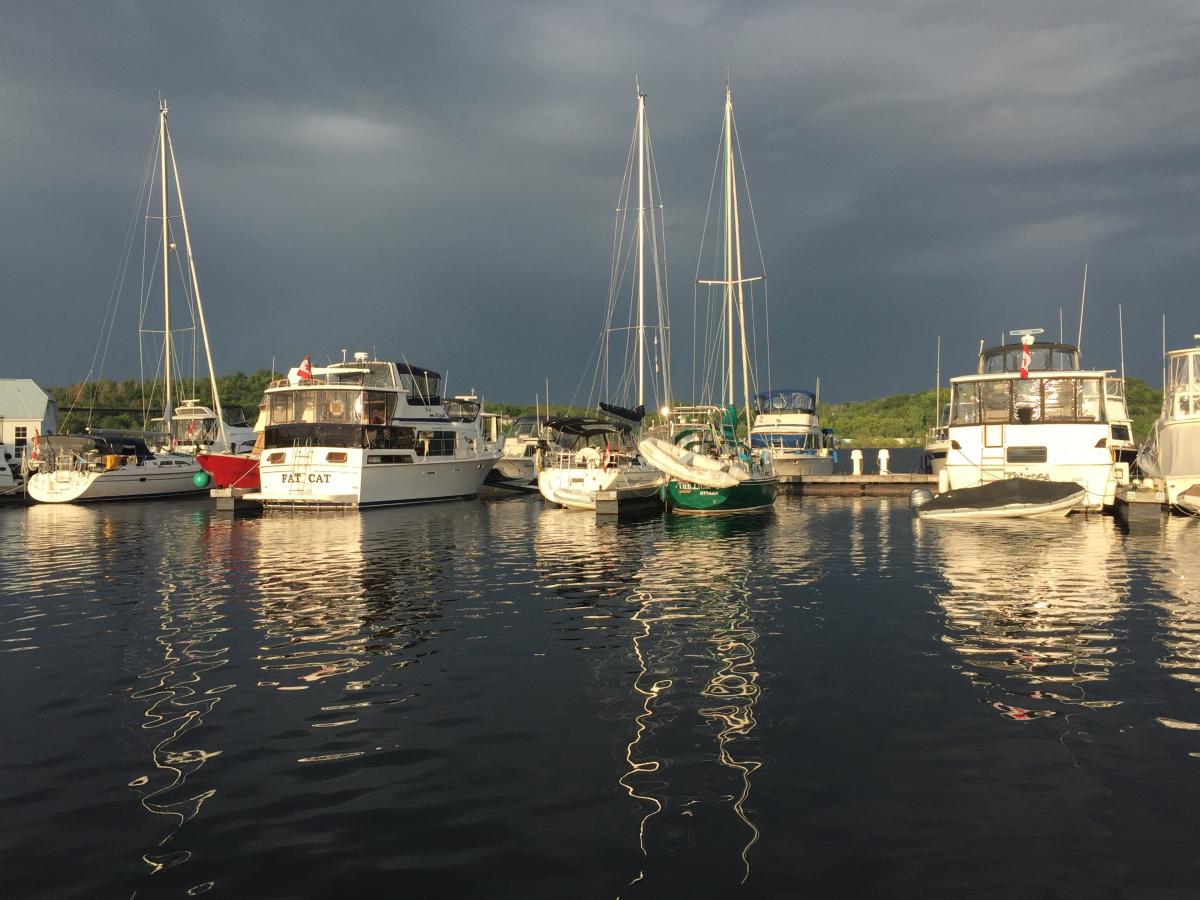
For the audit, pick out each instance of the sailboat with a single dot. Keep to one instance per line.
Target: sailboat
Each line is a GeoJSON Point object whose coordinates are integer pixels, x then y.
{"type": "Point", "coordinates": [110, 465]}
{"type": "Point", "coordinates": [711, 469]}
{"type": "Point", "coordinates": [599, 453]}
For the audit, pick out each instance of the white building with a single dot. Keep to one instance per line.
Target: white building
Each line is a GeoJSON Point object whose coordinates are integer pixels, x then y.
{"type": "Point", "coordinates": [25, 411]}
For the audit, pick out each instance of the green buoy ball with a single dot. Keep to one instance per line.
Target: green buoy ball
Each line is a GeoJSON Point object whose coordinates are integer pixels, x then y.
{"type": "Point", "coordinates": [201, 479]}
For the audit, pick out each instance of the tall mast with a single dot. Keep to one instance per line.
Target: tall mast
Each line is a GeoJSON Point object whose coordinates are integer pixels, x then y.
{"type": "Point", "coordinates": [641, 240]}
{"type": "Point", "coordinates": [166, 247]}
{"type": "Point", "coordinates": [729, 238]}
{"type": "Point", "coordinates": [737, 258]}
{"type": "Point", "coordinates": [187, 243]}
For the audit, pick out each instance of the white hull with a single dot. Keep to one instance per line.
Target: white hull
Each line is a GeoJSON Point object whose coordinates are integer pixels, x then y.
{"type": "Point", "coordinates": [160, 477]}
{"type": "Point", "coordinates": [791, 464]}
{"type": "Point", "coordinates": [517, 467]}
{"type": "Point", "coordinates": [1071, 451]}
{"type": "Point", "coordinates": [303, 476]}
{"type": "Point", "coordinates": [1058, 509]}
{"type": "Point", "coordinates": [576, 488]}
{"type": "Point", "coordinates": [1173, 459]}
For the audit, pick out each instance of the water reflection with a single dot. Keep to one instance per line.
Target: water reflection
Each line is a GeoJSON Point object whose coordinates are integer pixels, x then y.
{"type": "Point", "coordinates": [179, 692]}
{"type": "Point", "coordinates": [1169, 556]}
{"type": "Point", "coordinates": [1030, 608]}
{"type": "Point", "coordinates": [347, 603]}
{"type": "Point", "coordinates": [697, 626]}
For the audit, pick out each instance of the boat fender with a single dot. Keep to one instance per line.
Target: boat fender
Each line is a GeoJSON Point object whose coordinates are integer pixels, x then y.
{"type": "Point", "coordinates": [918, 497]}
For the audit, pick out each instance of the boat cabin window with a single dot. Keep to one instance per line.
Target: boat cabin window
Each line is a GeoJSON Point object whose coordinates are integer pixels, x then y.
{"type": "Point", "coordinates": [316, 405]}
{"type": "Point", "coordinates": [299, 434]}
{"type": "Point", "coordinates": [194, 430]}
{"type": "Point", "coordinates": [523, 428]}
{"type": "Point", "coordinates": [1183, 385]}
{"type": "Point", "coordinates": [423, 388]}
{"type": "Point", "coordinates": [1027, 401]}
{"type": "Point", "coordinates": [1114, 399]}
{"type": "Point", "coordinates": [1043, 358]}
{"type": "Point", "coordinates": [785, 401]}
{"type": "Point", "coordinates": [809, 441]}
{"type": "Point", "coordinates": [463, 410]}
{"type": "Point", "coordinates": [379, 407]}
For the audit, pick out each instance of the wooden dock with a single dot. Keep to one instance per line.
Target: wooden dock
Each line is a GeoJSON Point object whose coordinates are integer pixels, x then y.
{"type": "Point", "coordinates": [896, 485]}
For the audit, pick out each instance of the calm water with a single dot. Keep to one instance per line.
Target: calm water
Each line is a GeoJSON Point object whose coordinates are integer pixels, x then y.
{"type": "Point", "coordinates": [501, 699]}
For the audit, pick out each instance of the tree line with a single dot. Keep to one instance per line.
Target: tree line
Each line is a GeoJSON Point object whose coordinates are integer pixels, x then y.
{"type": "Point", "coordinates": [899, 418]}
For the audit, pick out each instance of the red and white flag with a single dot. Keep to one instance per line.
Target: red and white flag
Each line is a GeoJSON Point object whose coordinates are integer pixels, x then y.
{"type": "Point", "coordinates": [304, 373]}
{"type": "Point", "coordinates": [1026, 359]}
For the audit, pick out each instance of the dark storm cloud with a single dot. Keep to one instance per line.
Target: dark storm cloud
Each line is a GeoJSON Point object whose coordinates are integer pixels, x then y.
{"type": "Point", "coordinates": [437, 179]}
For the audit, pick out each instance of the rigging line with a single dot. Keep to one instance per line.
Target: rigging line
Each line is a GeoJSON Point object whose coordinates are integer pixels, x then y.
{"type": "Point", "coordinates": [699, 262]}
{"type": "Point", "coordinates": [757, 242]}
{"type": "Point", "coordinates": [661, 285]}
{"type": "Point", "coordinates": [117, 289]}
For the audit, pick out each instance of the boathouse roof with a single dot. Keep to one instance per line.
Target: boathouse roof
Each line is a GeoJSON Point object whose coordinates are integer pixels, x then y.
{"type": "Point", "coordinates": [21, 398]}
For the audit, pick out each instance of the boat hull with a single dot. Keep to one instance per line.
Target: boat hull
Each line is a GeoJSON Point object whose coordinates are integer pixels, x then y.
{"type": "Point", "coordinates": [575, 488]}
{"type": "Point", "coordinates": [1016, 498]}
{"type": "Point", "coordinates": [231, 470]}
{"type": "Point", "coordinates": [153, 479]}
{"type": "Point", "coordinates": [793, 465]}
{"type": "Point", "coordinates": [305, 477]}
{"type": "Point", "coordinates": [751, 495]}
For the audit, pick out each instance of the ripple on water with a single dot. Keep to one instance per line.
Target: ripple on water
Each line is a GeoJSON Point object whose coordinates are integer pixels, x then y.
{"type": "Point", "coordinates": [1032, 609]}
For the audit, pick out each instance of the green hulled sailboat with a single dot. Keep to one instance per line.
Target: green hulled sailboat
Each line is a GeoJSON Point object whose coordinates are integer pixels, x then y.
{"type": "Point", "coordinates": [712, 469]}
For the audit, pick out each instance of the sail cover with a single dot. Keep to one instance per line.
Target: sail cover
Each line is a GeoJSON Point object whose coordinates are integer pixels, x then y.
{"type": "Point", "coordinates": [634, 415]}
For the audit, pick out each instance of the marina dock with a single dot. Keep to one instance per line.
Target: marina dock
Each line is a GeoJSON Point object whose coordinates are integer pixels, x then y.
{"type": "Point", "coordinates": [893, 485]}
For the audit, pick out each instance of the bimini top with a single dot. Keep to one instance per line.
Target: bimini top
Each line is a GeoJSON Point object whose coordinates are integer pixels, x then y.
{"type": "Point", "coordinates": [103, 443]}
{"type": "Point", "coordinates": [785, 400]}
{"type": "Point", "coordinates": [579, 426]}
{"type": "Point", "coordinates": [1045, 356]}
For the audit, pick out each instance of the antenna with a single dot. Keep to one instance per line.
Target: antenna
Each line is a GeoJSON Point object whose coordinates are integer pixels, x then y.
{"type": "Point", "coordinates": [1164, 357]}
{"type": "Point", "coordinates": [1060, 325]}
{"type": "Point", "coordinates": [937, 389]}
{"type": "Point", "coordinates": [1121, 332]}
{"type": "Point", "coordinates": [1082, 306]}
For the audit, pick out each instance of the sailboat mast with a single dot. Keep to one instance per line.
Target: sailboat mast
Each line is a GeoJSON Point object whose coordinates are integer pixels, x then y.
{"type": "Point", "coordinates": [187, 243]}
{"type": "Point", "coordinates": [641, 242]}
{"type": "Point", "coordinates": [166, 247]}
{"type": "Point", "coordinates": [729, 239]}
{"type": "Point", "coordinates": [740, 295]}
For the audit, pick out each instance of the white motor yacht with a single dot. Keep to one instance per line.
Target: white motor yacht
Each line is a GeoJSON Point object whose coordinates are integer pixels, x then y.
{"type": "Point", "coordinates": [1030, 411]}
{"type": "Point", "coordinates": [369, 433]}
{"type": "Point", "coordinates": [787, 426]}
{"type": "Point", "coordinates": [1171, 454]}
{"type": "Point", "coordinates": [195, 428]}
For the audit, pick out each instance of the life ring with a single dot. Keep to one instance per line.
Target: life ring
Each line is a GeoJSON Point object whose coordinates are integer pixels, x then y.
{"type": "Point", "coordinates": [336, 407]}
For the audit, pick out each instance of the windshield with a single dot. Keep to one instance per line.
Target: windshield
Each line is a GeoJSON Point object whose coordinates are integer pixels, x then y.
{"type": "Point", "coordinates": [1027, 401]}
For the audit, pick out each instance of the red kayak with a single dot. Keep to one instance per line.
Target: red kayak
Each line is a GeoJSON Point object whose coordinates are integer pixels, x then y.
{"type": "Point", "coordinates": [231, 470]}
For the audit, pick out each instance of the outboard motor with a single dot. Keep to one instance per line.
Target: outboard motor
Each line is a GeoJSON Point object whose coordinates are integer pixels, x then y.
{"type": "Point", "coordinates": [918, 497]}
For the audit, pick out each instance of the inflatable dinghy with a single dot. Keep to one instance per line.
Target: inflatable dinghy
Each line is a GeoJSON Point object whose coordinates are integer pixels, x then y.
{"type": "Point", "coordinates": [692, 468]}
{"type": "Point", "coordinates": [1008, 498]}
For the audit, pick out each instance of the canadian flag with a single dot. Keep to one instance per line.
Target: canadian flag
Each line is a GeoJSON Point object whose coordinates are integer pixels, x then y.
{"type": "Point", "coordinates": [1026, 359]}
{"type": "Point", "coordinates": [304, 373]}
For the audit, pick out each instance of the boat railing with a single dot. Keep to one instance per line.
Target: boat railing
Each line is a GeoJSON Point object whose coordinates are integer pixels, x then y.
{"type": "Point", "coordinates": [588, 458]}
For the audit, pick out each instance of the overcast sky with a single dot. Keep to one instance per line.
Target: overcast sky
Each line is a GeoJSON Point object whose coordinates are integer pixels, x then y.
{"type": "Point", "coordinates": [437, 180]}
